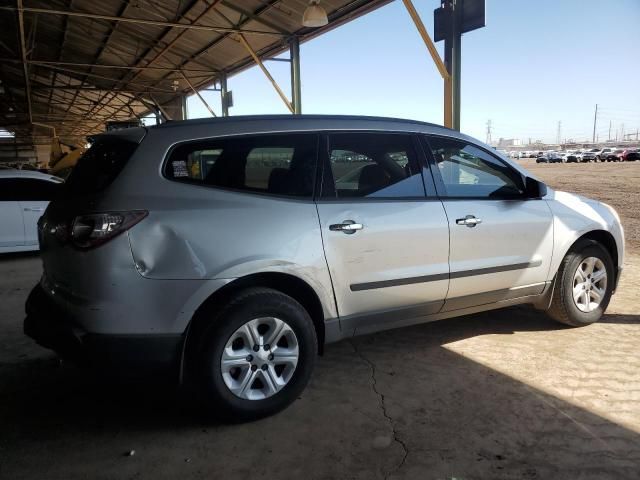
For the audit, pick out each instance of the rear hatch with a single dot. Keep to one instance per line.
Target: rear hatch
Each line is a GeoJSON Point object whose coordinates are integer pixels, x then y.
{"type": "Point", "coordinates": [78, 232]}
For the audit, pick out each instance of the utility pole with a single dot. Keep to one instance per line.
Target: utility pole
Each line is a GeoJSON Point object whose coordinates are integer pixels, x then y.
{"type": "Point", "coordinates": [488, 142]}
{"type": "Point", "coordinates": [559, 132]}
{"type": "Point", "coordinates": [609, 138]}
{"type": "Point", "coordinates": [595, 120]}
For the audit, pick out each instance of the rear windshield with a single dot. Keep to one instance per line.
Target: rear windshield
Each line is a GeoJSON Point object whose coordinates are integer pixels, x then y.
{"type": "Point", "coordinates": [100, 165]}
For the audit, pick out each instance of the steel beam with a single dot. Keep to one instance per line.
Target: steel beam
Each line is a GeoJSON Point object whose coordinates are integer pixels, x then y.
{"type": "Point", "coordinates": [140, 21]}
{"type": "Point", "coordinates": [266, 72]}
{"type": "Point", "coordinates": [296, 85]}
{"type": "Point", "coordinates": [442, 68]}
{"type": "Point", "coordinates": [213, 114]}
{"type": "Point", "coordinates": [25, 67]}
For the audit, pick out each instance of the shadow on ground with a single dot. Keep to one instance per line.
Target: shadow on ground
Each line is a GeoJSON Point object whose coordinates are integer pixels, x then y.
{"type": "Point", "coordinates": [398, 404]}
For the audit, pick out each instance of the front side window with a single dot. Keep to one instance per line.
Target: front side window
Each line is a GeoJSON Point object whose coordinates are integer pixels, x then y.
{"type": "Point", "coordinates": [373, 165]}
{"type": "Point", "coordinates": [468, 171]}
{"type": "Point", "coordinates": [272, 164]}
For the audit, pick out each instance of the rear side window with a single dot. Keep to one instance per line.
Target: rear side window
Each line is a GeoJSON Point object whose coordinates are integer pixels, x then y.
{"type": "Point", "coordinates": [100, 165]}
{"type": "Point", "coordinates": [271, 164]}
{"type": "Point", "coordinates": [373, 165]}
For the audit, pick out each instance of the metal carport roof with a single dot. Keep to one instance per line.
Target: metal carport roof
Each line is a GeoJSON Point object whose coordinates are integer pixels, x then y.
{"type": "Point", "coordinates": [74, 64]}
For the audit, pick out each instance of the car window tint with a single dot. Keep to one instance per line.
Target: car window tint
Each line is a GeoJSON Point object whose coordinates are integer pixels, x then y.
{"type": "Point", "coordinates": [100, 165]}
{"type": "Point", "coordinates": [27, 189]}
{"type": "Point", "coordinates": [468, 171]}
{"type": "Point", "coordinates": [373, 165]}
{"type": "Point", "coordinates": [272, 164]}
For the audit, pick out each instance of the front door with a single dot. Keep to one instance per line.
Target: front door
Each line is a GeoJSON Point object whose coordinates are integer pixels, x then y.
{"type": "Point", "coordinates": [501, 241]}
{"type": "Point", "coordinates": [386, 242]}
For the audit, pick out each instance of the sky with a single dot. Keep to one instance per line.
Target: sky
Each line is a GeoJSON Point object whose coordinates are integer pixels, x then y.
{"type": "Point", "coordinates": [535, 64]}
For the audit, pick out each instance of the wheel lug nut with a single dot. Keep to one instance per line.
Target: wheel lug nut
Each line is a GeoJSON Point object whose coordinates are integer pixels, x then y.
{"type": "Point", "coordinates": [267, 347]}
{"type": "Point", "coordinates": [254, 368]}
{"type": "Point", "coordinates": [271, 357]}
{"type": "Point", "coordinates": [264, 366]}
{"type": "Point", "coordinates": [249, 358]}
{"type": "Point", "coordinates": [256, 348]}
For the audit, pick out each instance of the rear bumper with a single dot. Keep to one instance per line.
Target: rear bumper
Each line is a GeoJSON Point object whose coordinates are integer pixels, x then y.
{"type": "Point", "coordinates": [52, 328]}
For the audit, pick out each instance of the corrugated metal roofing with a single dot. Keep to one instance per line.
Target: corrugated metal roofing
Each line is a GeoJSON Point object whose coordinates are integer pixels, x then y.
{"type": "Point", "coordinates": [146, 60]}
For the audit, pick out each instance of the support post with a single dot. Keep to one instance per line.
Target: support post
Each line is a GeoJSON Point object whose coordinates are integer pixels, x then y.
{"type": "Point", "coordinates": [224, 100]}
{"type": "Point", "coordinates": [452, 60]}
{"type": "Point", "coordinates": [296, 86]}
{"type": "Point", "coordinates": [436, 59]}
{"type": "Point", "coordinates": [213, 114]}
{"type": "Point", "coordinates": [256, 59]}
{"type": "Point", "coordinates": [183, 104]}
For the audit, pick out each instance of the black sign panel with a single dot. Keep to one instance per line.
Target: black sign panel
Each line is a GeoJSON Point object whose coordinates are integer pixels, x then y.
{"type": "Point", "coordinates": [473, 17]}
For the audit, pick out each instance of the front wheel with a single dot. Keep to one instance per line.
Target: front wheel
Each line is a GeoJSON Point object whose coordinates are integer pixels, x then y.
{"type": "Point", "coordinates": [584, 284]}
{"type": "Point", "coordinates": [257, 356]}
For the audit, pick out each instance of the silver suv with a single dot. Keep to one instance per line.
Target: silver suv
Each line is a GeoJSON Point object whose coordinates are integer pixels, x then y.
{"type": "Point", "coordinates": [232, 250]}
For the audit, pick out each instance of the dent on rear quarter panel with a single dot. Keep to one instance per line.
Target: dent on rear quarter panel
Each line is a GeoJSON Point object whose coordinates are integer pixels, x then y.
{"type": "Point", "coordinates": [165, 254]}
{"type": "Point", "coordinates": [204, 234]}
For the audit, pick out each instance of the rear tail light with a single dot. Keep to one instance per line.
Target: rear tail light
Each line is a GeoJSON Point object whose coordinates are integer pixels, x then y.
{"type": "Point", "coordinates": [90, 231]}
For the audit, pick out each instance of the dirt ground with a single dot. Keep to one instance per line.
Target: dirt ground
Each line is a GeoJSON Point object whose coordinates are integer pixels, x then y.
{"type": "Point", "coordinates": [501, 395]}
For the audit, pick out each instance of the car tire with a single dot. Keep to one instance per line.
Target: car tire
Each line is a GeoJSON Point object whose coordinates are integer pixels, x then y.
{"type": "Point", "coordinates": [582, 311]}
{"type": "Point", "coordinates": [270, 389]}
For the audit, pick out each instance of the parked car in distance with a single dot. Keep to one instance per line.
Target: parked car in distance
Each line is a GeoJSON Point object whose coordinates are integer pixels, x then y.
{"type": "Point", "coordinates": [602, 154]}
{"type": "Point", "coordinates": [542, 158]}
{"type": "Point", "coordinates": [231, 250]}
{"type": "Point", "coordinates": [573, 157]}
{"type": "Point", "coordinates": [615, 155]}
{"type": "Point", "coordinates": [631, 154]}
{"type": "Point", "coordinates": [589, 156]}
{"type": "Point", "coordinates": [555, 157]}
{"type": "Point", "coordinates": [24, 195]}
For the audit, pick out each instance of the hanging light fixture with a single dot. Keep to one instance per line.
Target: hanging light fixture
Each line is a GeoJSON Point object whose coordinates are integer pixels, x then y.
{"type": "Point", "coordinates": [314, 15]}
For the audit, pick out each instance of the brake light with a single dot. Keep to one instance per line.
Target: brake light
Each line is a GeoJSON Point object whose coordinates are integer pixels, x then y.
{"type": "Point", "coordinates": [90, 231]}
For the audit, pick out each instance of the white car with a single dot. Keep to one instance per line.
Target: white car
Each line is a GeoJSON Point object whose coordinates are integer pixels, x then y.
{"type": "Point", "coordinates": [24, 195]}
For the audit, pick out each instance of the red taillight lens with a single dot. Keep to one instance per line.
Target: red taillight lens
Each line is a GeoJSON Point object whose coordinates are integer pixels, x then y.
{"type": "Point", "coordinates": [90, 231]}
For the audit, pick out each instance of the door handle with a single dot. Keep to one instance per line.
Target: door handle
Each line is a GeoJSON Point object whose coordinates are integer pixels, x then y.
{"type": "Point", "coordinates": [347, 226]}
{"type": "Point", "coordinates": [33, 209]}
{"type": "Point", "coordinates": [469, 220]}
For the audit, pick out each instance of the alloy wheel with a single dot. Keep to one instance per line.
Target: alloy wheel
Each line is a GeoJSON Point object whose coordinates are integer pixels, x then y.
{"type": "Point", "coordinates": [589, 284]}
{"type": "Point", "coordinates": [259, 358]}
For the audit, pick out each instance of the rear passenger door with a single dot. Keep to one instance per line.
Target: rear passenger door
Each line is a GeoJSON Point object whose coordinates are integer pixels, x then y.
{"type": "Point", "coordinates": [386, 242]}
{"type": "Point", "coordinates": [501, 240]}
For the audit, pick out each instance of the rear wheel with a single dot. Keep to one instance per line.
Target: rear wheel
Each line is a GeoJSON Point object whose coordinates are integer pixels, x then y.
{"type": "Point", "coordinates": [257, 356]}
{"type": "Point", "coordinates": [583, 285]}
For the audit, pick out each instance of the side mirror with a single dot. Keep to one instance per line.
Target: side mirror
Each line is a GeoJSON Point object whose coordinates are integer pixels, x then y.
{"type": "Point", "coordinates": [534, 188]}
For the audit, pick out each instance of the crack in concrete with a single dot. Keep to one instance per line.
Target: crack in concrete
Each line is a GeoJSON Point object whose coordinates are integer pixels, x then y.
{"type": "Point", "coordinates": [383, 408]}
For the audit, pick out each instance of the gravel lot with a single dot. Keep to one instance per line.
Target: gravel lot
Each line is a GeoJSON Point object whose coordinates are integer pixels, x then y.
{"type": "Point", "coordinates": [501, 395]}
